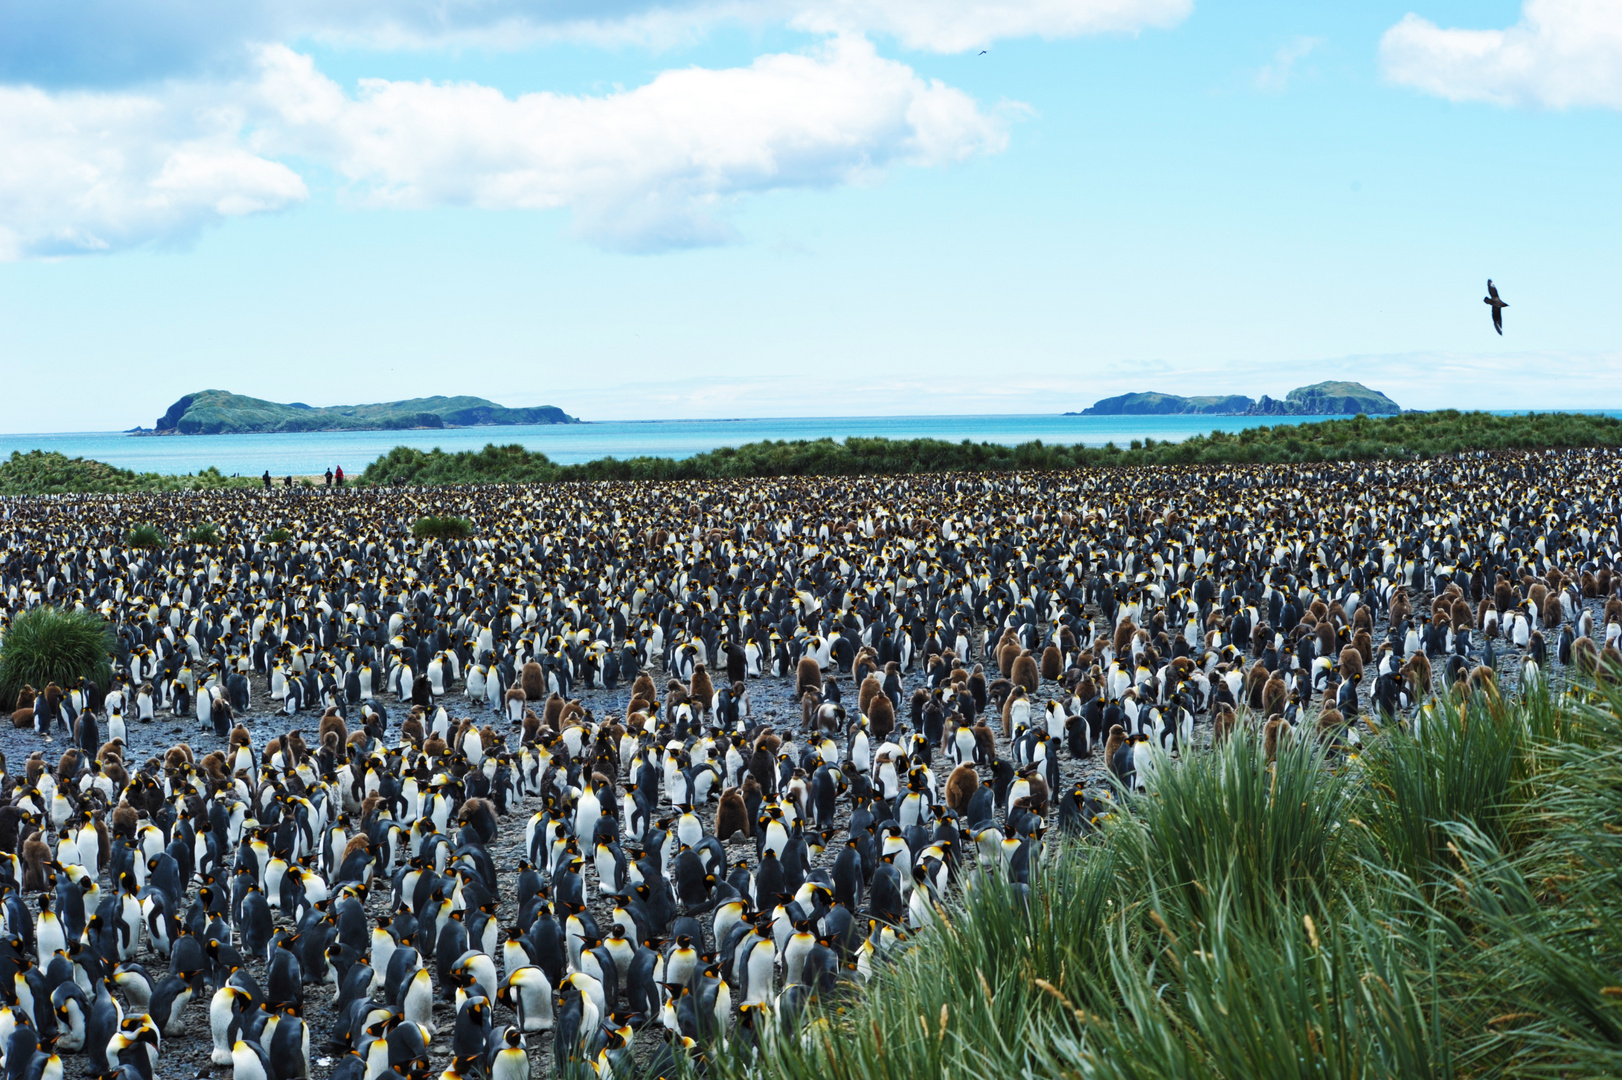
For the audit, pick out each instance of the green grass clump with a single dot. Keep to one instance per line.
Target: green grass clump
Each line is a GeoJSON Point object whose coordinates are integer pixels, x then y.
{"type": "Point", "coordinates": [1446, 903]}
{"type": "Point", "coordinates": [206, 534]}
{"type": "Point", "coordinates": [50, 644]}
{"type": "Point", "coordinates": [277, 536]}
{"type": "Point", "coordinates": [442, 528]}
{"type": "Point", "coordinates": [146, 536]}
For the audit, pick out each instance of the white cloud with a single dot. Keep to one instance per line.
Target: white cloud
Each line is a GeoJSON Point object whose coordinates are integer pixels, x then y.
{"type": "Point", "coordinates": [1277, 75]}
{"type": "Point", "coordinates": [98, 172]}
{"type": "Point", "coordinates": [648, 168]}
{"type": "Point", "coordinates": [1562, 53]}
{"type": "Point", "coordinates": [118, 42]}
{"type": "Point", "coordinates": [960, 25]}
{"type": "Point", "coordinates": [645, 169]}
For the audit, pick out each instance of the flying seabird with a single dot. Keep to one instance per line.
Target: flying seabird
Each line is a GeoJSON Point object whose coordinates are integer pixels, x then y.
{"type": "Point", "coordinates": [1497, 305]}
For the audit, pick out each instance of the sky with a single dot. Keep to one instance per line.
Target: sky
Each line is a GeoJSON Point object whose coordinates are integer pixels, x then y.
{"type": "Point", "coordinates": [636, 209]}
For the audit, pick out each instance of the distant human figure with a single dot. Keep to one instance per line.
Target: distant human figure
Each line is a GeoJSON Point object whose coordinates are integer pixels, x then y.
{"type": "Point", "coordinates": [340, 476]}
{"type": "Point", "coordinates": [287, 481]}
{"type": "Point", "coordinates": [267, 479]}
{"type": "Point", "coordinates": [329, 477]}
{"type": "Point", "coordinates": [1497, 305]}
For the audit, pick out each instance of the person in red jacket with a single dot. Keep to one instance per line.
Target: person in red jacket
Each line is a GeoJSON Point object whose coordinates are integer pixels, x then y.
{"type": "Point", "coordinates": [340, 476]}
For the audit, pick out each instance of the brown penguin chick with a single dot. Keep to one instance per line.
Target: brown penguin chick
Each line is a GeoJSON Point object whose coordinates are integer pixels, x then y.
{"type": "Point", "coordinates": [768, 741]}
{"type": "Point", "coordinates": [1039, 790]}
{"type": "Point", "coordinates": [114, 768]}
{"type": "Point", "coordinates": [332, 722]}
{"type": "Point", "coordinates": [1025, 672]}
{"type": "Point", "coordinates": [35, 856]}
{"type": "Point", "coordinates": [1351, 662]}
{"type": "Point", "coordinates": [1482, 680]}
{"type": "Point", "coordinates": [809, 704]}
{"type": "Point", "coordinates": [1274, 695]}
{"type": "Point", "coordinates": [700, 689]}
{"type": "Point", "coordinates": [532, 726]}
{"type": "Point", "coordinates": [732, 816]}
{"type": "Point", "coordinates": [977, 686]}
{"type": "Point", "coordinates": [411, 729]}
{"type": "Point", "coordinates": [1113, 742]}
{"type": "Point", "coordinates": [1326, 638]}
{"type": "Point", "coordinates": [358, 842]}
{"type": "Point", "coordinates": [871, 688]}
{"type": "Point", "coordinates": [514, 698]}
{"type": "Point", "coordinates": [1362, 620]}
{"type": "Point", "coordinates": [1223, 722]}
{"type": "Point", "coordinates": [1008, 707]}
{"type": "Point", "coordinates": [1122, 641]}
{"type": "Point", "coordinates": [178, 755]}
{"type": "Point", "coordinates": [985, 741]}
{"type": "Point", "coordinates": [1608, 667]}
{"type": "Point", "coordinates": [294, 748]}
{"type": "Point", "coordinates": [1553, 613]}
{"type": "Point", "coordinates": [1364, 645]}
{"type": "Point", "coordinates": [961, 786]}
{"type": "Point", "coordinates": [1330, 722]}
{"type": "Point", "coordinates": [240, 737]}
{"type": "Point", "coordinates": [881, 718]}
{"type": "Point", "coordinates": [34, 767]}
{"type": "Point", "coordinates": [572, 713]}
{"type": "Point", "coordinates": [435, 747]}
{"type": "Point", "coordinates": [1275, 731]}
{"type": "Point", "coordinates": [272, 748]}
{"type": "Point", "coordinates": [1417, 672]}
{"type": "Point", "coordinates": [67, 766]}
{"type": "Point", "coordinates": [213, 766]}
{"type": "Point", "coordinates": [552, 714]}
{"type": "Point", "coordinates": [807, 677]}
{"type": "Point", "coordinates": [125, 820]}
{"type": "Point", "coordinates": [1008, 651]}
{"type": "Point", "coordinates": [643, 688]}
{"type": "Point", "coordinates": [1503, 594]}
{"type": "Point", "coordinates": [25, 698]}
{"type": "Point", "coordinates": [531, 682]}
{"type": "Point", "coordinates": [22, 718]}
{"type": "Point", "coordinates": [489, 740]}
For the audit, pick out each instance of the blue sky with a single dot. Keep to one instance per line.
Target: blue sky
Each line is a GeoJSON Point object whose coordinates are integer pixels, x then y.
{"type": "Point", "coordinates": [804, 207]}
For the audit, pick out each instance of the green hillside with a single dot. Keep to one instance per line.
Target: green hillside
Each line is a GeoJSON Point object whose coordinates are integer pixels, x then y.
{"type": "Point", "coordinates": [220, 412]}
{"type": "Point", "coordinates": [1319, 399]}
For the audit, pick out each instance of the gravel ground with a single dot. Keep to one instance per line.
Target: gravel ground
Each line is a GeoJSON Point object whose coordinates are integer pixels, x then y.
{"type": "Point", "coordinates": [773, 702]}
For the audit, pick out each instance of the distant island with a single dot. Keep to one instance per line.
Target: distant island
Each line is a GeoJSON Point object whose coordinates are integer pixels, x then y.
{"type": "Point", "coordinates": [220, 412]}
{"type": "Point", "coordinates": [1319, 399]}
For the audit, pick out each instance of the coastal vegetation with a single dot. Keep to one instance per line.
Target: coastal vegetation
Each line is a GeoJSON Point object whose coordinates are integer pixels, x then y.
{"type": "Point", "coordinates": [46, 472]}
{"type": "Point", "coordinates": [48, 644]}
{"type": "Point", "coordinates": [1445, 903]}
{"type": "Point", "coordinates": [1361, 438]}
{"type": "Point", "coordinates": [1408, 436]}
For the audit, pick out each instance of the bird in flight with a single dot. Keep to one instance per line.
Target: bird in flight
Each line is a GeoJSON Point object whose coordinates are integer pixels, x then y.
{"type": "Point", "coordinates": [1497, 305]}
{"type": "Point", "coordinates": [982, 52]}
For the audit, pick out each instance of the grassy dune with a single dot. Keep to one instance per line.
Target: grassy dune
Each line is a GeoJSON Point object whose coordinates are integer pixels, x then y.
{"type": "Point", "coordinates": [1443, 905]}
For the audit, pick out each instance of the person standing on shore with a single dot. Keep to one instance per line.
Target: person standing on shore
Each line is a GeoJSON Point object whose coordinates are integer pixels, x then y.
{"type": "Point", "coordinates": [340, 476]}
{"type": "Point", "coordinates": [329, 477]}
{"type": "Point", "coordinates": [267, 479]}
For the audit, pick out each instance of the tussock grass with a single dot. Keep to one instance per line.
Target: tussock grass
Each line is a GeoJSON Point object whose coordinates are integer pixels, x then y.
{"type": "Point", "coordinates": [1448, 903]}
{"type": "Point", "coordinates": [49, 644]}
{"type": "Point", "coordinates": [442, 528]}
{"type": "Point", "coordinates": [146, 536]}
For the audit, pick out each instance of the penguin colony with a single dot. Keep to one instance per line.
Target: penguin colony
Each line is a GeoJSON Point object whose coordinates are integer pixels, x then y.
{"type": "Point", "coordinates": [643, 770]}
